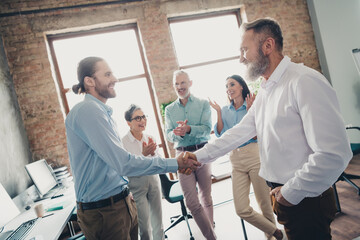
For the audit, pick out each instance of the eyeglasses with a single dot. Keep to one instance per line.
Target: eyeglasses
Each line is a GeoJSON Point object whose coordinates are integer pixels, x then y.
{"type": "Point", "coordinates": [138, 118]}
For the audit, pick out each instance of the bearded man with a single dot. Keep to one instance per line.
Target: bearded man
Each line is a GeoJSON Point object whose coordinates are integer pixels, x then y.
{"type": "Point", "coordinates": [98, 161]}
{"type": "Point", "coordinates": [301, 134]}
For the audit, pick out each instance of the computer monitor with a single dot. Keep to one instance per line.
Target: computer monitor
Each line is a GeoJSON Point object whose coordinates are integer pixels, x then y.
{"type": "Point", "coordinates": [42, 176]}
{"type": "Point", "coordinates": [8, 208]}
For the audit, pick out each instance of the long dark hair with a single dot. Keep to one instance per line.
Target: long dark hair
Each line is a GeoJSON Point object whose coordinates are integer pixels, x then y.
{"type": "Point", "coordinates": [86, 68]}
{"type": "Point", "coordinates": [242, 82]}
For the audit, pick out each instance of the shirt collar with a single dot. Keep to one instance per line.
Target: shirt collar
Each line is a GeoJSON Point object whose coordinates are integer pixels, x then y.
{"type": "Point", "coordinates": [276, 75]}
{"type": "Point", "coordinates": [108, 109]}
{"type": "Point", "coordinates": [231, 106]}
{"type": "Point", "coordinates": [132, 138]}
{"type": "Point", "coordinates": [190, 99]}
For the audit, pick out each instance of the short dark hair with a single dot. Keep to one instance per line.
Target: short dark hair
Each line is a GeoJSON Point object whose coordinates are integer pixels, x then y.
{"type": "Point", "coordinates": [268, 27]}
{"type": "Point", "coordinates": [86, 68]}
{"type": "Point", "coordinates": [242, 82]}
{"type": "Point", "coordinates": [129, 112]}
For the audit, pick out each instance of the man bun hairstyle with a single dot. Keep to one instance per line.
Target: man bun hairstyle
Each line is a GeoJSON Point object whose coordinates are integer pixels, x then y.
{"type": "Point", "coordinates": [86, 68]}
{"type": "Point", "coordinates": [267, 27]}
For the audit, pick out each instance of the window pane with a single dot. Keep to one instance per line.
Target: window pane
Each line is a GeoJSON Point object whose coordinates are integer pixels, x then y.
{"type": "Point", "coordinates": [128, 92]}
{"type": "Point", "coordinates": [119, 49]}
{"type": "Point", "coordinates": [205, 39]}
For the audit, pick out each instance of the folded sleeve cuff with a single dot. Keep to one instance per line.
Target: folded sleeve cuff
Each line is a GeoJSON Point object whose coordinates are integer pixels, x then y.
{"type": "Point", "coordinates": [172, 165]}
{"type": "Point", "coordinates": [201, 155]}
{"type": "Point", "coordinates": [291, 195]}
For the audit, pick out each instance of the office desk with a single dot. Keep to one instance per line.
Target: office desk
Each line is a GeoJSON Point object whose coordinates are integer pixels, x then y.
{"type": "Point", "coordinates": [52, 226]}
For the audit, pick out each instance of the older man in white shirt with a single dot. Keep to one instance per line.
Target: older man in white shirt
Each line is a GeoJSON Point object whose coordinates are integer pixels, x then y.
{"type": "Point", "coordinates": [301, 134]}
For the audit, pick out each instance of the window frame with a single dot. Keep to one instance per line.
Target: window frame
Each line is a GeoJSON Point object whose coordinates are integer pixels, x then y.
{"type": "Point", "coordinates": [62, 91]}
{"type": "Point", "coordinates": [236, 12]}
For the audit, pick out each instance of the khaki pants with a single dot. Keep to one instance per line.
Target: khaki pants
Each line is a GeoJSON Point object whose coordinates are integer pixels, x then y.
{"type": "Point", "coordinates": [199, 201]}
{"type": "Point", "coordinates": [246, 164]}
{"type": "Point", "coordinates": [118, 221]}
{"type": "Point", "coordinates": [310, 219]}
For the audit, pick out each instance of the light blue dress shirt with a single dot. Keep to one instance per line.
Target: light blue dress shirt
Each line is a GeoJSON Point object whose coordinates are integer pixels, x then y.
{"type": "Point", "coordinates": [197, 112]}
{"type": "Point", "coordinates": [230, 117]}
{"type": "Point", "coordinates": [98, 161]}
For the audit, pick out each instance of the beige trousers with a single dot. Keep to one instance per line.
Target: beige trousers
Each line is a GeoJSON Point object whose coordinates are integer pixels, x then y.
{"type": "Point", "coordinates": [246, 164]}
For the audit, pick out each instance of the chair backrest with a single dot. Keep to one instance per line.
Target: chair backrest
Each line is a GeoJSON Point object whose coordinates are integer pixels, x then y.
{"type": "Point", "coordinates": [355, 147]}
{"type": "Point", "coordinates": [166, 185]}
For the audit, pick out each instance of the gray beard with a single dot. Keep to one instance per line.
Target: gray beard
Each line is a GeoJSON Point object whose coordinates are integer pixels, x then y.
{"type": "Point", "coordinates": [258, 67]}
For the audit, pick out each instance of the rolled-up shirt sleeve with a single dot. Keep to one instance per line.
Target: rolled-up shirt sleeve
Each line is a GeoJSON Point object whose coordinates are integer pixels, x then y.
{"type": "Point", "coordinates": [105, 143]}
{"type": "Point", "coordinates": [326, 136]}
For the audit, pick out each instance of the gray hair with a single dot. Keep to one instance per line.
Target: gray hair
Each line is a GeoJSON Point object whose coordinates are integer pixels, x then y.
{"type": "Point", "coordinates": [128, 113]}
{"type": "Point", "coordinates": [266, 27]}
{"type": "Point", "coordinates": [179, 72]}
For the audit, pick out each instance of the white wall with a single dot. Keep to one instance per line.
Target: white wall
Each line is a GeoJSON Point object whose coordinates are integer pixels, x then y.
{"type": "Point", "coordinates": [336, 25]}
{"type": "Point", "coordinates": [14, 147]}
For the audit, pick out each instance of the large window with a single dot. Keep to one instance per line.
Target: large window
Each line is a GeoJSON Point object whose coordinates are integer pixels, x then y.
{"type": "Point", "coordinates": [207, 47]}
{"type": "Point", "coordinates": [120, 47]}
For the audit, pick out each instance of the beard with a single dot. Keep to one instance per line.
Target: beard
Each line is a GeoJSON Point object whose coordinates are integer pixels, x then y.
{"type": "Point", "coordinates": [105, 91]}
{"type": "Point", "coordinates": [185, 95]}
{"type": "Point", "coordinates": [257, 68]}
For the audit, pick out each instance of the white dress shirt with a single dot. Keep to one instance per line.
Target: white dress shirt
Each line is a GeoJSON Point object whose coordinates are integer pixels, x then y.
{"type": "Point", "coordinates": [301, 134]}
{"type": "Point", "coordinates": [134, 146]}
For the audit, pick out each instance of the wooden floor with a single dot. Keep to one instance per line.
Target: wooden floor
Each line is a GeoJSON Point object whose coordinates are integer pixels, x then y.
{"type": "Point", "coordinates": [346, 226]}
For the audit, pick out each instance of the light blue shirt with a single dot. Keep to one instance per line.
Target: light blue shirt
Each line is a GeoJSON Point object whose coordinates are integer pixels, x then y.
{"type": "Point", "coordinates": [197, 112]}
{"type": "Point", "coordinates": [230, 117]}
{"type": "Point", "coordinates": [98, 161]}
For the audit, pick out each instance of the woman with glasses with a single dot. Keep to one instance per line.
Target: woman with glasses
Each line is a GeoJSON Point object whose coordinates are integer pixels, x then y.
{"type": "Point", "coordinates": [245, 160]}
{"type": "Point", "coordinates": [145, 189]}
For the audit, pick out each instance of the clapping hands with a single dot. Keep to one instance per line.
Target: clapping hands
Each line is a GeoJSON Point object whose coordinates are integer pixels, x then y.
{"type": "Point", "coordinates": [215, 105]}
{"type": "Point", "coordinates": [250, 98]}
{"type": "Point", "coordinates": [149, 148]}
{"type": "Point", "coordinates": [182, 128]}
{"type": "Point", "coordinates": [187, 163]}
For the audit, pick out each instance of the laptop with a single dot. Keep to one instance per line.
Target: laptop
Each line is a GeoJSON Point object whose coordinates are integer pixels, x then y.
{"type": "Point", "coordinates": [8, 209]}
{"type": "Point", "coordinates": [43, 178]}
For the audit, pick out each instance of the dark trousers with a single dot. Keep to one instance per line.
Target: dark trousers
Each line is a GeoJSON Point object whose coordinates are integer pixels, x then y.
{"type": "Point", "coordinates": [310, 219]}
{"type": "Point", "coordinates": [117, 221]}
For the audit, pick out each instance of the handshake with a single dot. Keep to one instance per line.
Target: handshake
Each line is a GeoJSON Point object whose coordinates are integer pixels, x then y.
{"type": "Point", "coordinates": [187, 163]}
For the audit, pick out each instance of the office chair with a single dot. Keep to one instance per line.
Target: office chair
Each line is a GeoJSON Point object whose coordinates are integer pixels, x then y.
{"type": "Point", "coordinates": [172, 193]}
{"type": "Point", "coordinates": [74, 236]}
{"type": "Point", "coordinates": [355, 148]}
{"type": "Point", "coordinates": [79, 236]}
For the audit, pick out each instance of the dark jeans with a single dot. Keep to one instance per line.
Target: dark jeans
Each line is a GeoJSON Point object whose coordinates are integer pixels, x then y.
{"type": "Point", "coordinates": [118, 221]}
{"type": "Point", "coordinates": [310, 219]}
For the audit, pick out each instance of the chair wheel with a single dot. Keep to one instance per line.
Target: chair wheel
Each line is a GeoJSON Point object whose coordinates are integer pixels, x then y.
{"type": "Point", "coordinates": [166, 237]}
{"type": "Point", "coordinates": [192, 238]}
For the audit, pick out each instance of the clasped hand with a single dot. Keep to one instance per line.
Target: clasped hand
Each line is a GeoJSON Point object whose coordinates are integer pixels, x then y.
{"type": "Point", "coordinates": [187, 163]}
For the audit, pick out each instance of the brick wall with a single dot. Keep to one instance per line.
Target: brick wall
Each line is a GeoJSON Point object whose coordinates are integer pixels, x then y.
{"type": "Point", "coordinates": [28, 59]}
